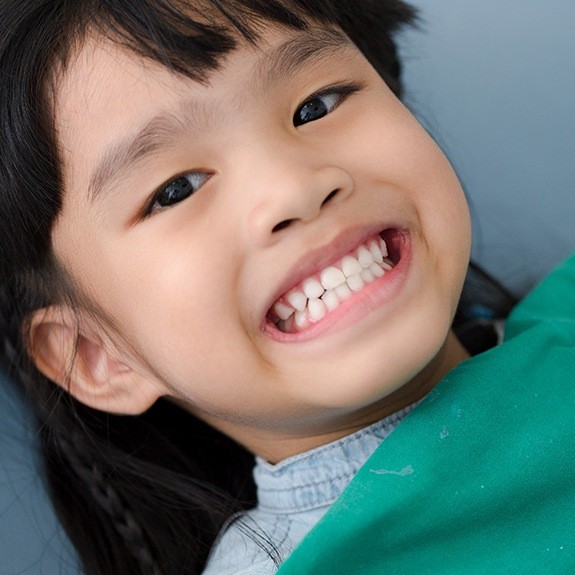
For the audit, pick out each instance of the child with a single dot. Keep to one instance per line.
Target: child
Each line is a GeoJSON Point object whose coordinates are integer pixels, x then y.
{"type": "Point", "coordinates": [224, 207]}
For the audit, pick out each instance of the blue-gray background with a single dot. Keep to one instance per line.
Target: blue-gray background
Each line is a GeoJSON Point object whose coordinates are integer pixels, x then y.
{"type": "Point", "coordinates": [493, 82]}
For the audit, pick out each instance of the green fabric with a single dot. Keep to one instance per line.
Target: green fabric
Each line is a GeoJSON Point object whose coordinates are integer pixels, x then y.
{"type": "Point", "coordinates": [480, 478]}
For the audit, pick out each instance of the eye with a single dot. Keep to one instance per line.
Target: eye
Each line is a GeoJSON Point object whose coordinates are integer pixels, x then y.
{"type": "Point", "coordinates": [322, 103]}
{"type": "Point", "coordinates": [177, 190]}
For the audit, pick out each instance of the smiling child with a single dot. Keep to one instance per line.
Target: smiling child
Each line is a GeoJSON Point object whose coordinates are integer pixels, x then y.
{"type": "Point", "coordinates": [232, 212]}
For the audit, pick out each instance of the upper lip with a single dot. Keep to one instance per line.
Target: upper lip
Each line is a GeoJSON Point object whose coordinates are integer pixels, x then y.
{"type": "Point", "coordinates": [319, 258]}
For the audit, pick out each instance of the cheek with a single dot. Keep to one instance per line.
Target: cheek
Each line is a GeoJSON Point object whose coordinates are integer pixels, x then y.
{"type": "Point", "coordinates": [424, 173]}
{"type": "Point", "coordinates": [396, 153]}
{"type": "Point", "coordinates": [403, 159]}
{"type": "Point", "coordinates": [174, 288]}
{"type": "Point", "coordinates": [163, 293]}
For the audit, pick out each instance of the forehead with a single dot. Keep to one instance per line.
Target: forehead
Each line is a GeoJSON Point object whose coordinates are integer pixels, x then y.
{"type": "Point", "coordinates": [276, 53]}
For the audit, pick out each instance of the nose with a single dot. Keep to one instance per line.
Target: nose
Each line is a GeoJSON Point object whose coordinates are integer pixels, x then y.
{"type": "Point", "coordinates": [291, 190]}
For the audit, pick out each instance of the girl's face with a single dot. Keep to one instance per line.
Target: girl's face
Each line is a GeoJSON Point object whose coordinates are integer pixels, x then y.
{"type": "Point", "coordinates": [190, 210]}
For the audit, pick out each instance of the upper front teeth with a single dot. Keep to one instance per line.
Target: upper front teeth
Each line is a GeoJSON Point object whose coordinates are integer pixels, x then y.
{"type": "Point", "coordinates": [331, 277]}
{"type": "Point", "coordinates": [324, 292]}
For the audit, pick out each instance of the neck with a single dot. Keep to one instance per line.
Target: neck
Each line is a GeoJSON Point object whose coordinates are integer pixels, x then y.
{"type": "Point", "coordinates": [274, 447]}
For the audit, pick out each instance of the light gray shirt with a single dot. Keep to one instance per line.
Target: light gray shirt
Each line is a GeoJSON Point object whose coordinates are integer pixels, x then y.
{"type": "Point", "coordinates": [293, 496]}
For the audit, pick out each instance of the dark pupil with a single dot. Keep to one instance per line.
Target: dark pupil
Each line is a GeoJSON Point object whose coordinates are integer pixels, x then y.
{"type": "Point", "coordinates": [311, 111]}
{"type": "Point", "coordinates": [177, 190]}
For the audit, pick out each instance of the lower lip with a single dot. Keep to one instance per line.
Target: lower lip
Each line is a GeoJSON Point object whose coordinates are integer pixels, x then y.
{"type": "Point", "coordinates": [364, 302]}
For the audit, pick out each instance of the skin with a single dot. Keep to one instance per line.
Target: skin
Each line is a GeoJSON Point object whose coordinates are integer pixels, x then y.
{"type": "Point", "coordinates": [181, 294]}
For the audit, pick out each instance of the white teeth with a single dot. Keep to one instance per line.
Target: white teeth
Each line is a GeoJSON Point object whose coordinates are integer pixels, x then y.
{"type": "Point", "coordinates": [314, 298]}
{"type": "Point", "coordinates": [367, 276]}
{"type": "Point", "coordinates": [375, 252]}
{"type": "Point", "coordinates": [350, 266]}
{"type": "Point", "coordinates": [355, 283]}
{"type": "Point", "coordinates": [317, 309]}
{"type": "Point", "coordinates": [331, 278]}
{"type": "Point", "coordinates": [301, 319]}
{"type": "Point", "coordinates": [364, 257]}
{"type": "Point", "coordinates": [383, 247]}
{"type": "Point", "coordinates": [282, 310]}
{"type": "Point", "coordinates": [343, 292]}
{"type": "Point", "coordinates": [297, 300]}
{"type": "Point", "coordinates": [312, 288]}
{"type": "Point", "coordinates": [330, 299]}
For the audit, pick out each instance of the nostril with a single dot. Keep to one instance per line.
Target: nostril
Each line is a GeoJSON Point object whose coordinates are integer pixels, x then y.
{"type": "Point", "coordinates": [286, 223]}
{"type": "Point", "coordinates": [330, 196]}
{"type": "Point", "coordinates": [281, 225]}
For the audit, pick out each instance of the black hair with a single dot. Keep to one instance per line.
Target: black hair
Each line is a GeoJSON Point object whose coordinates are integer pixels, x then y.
{"type": "Point", "coordinates": [483, 306]}
{"type": "Point", "coordinates": [127, 488]}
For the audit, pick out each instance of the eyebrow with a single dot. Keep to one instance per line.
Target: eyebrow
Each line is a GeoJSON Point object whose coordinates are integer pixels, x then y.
{"type": "Point", "coordinates": [155, 135]}
{"type": "Point", "coordinates": [304, 49]}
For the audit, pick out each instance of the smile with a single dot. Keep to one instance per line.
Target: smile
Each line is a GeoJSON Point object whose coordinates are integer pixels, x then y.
{"type": "Point", "coordinates": [337, 285]}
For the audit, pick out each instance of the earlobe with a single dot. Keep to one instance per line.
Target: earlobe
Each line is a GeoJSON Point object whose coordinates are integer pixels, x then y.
{"type": "Point", "coordinates": [85, 363]}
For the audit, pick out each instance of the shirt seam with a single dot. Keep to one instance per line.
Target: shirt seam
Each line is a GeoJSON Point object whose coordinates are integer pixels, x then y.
{"type": "Point", "coordinates": [292, 510]}
{"type": "Point", "coordinates": [312, 484]}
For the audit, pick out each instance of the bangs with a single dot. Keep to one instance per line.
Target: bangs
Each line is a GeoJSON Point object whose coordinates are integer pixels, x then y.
{"type": "Point", "coordinates": [192, 37]}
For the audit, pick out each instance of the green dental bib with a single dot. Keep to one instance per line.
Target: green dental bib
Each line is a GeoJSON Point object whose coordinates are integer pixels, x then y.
{"type": "Point", "coordinates": [480, 478]}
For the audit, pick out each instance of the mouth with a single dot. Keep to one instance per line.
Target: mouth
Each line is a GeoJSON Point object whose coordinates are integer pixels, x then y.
{"type": "Point", "coordinates": [333, 290]}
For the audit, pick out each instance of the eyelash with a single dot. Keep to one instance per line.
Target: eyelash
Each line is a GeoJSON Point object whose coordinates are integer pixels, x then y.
{"type": "Point", "coordinates": [340, 91]}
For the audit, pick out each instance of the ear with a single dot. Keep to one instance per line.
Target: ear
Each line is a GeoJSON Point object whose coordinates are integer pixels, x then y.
{"type": "Point", "coordinates": [75, 353]}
